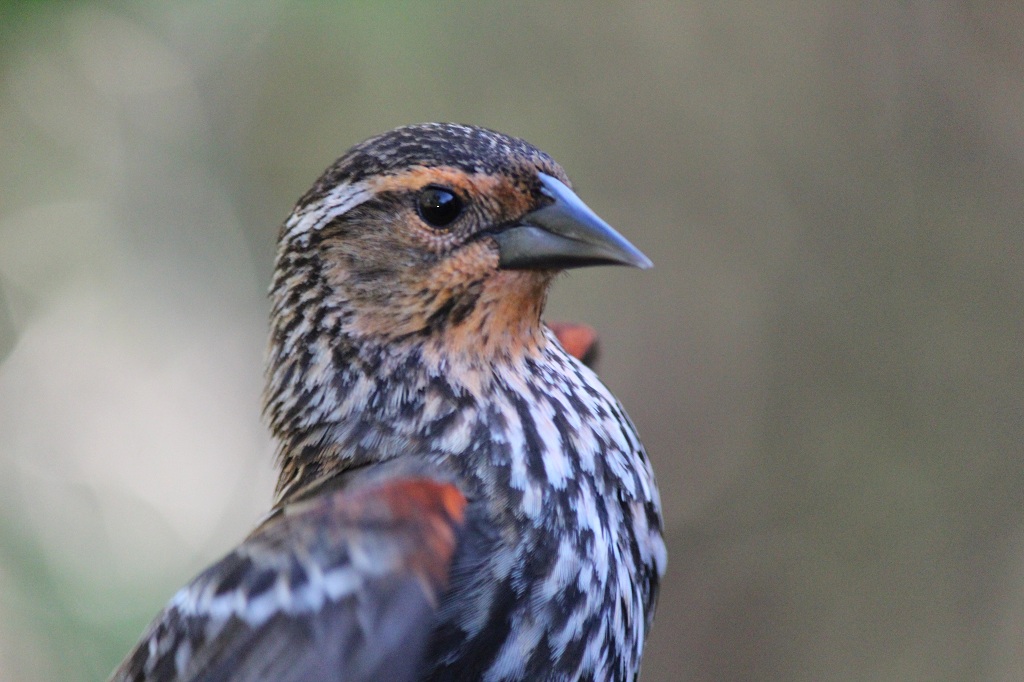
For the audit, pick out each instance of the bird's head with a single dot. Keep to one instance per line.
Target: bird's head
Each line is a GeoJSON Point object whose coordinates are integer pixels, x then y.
{"type": "Point", "coordinates": [439, 234]}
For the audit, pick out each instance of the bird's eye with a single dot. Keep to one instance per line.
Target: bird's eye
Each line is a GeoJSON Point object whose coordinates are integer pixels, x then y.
{"type": "Point", "coordinates": [438, 206]}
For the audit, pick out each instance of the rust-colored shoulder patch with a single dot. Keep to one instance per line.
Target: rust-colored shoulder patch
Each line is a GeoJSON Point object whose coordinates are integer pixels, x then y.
{"type": "Point", "coordinates": [424, 497]}
{"type": "Point", "coordinates": [434, 512]}
{"type": "Point", "coordinates": [421, 515]}
{"type": "Point", "coordinates": [578, 340]}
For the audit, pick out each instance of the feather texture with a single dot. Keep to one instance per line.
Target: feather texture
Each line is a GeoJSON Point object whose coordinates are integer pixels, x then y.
{"type": "Point", "coordinates": [459, 497]}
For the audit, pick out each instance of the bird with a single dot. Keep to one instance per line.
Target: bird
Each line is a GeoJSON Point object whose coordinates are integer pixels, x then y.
{"type": "Point", "coordinates": [459, 498]}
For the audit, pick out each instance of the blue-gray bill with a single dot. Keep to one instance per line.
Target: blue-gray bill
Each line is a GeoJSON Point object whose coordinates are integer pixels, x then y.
{"type": "Point", "coordinates": [564, 234]}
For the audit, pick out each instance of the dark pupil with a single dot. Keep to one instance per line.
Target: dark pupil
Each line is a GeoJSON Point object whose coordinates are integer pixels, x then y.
{"type": "Point", "coordinates": [438, 206]}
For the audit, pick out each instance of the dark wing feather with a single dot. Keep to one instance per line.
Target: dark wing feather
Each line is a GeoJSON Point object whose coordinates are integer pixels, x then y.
{"type": "Point", "coordinates": [341, 586]}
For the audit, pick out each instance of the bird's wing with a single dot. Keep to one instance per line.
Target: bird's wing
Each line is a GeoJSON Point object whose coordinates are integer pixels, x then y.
{"type": "Point", "coordinates": [341, 586]}
{"type": "Point", "coordinates": [579, 340]}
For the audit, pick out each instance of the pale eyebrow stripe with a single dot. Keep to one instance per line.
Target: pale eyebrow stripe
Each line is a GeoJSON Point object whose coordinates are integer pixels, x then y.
{"type": "Point", "coordinates": [336, 203]}
{"type": "Point", "coordinates": [346, 196]}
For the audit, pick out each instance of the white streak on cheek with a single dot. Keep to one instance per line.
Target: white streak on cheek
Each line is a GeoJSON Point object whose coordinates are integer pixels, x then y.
{"type": "Point", "coordinates": [333, 205]}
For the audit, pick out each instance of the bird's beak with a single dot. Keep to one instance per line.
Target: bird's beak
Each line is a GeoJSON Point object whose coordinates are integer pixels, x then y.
{"type": "Point", "coordinates": [564, 234]}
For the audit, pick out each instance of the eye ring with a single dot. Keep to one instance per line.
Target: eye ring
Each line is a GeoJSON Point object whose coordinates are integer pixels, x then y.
{"type": "Point", "coordinates": [439, 206]}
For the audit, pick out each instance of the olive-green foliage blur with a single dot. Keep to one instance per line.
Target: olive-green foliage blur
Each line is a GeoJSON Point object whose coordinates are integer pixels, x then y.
{"type": "Point", "coordinates": [825, 364]}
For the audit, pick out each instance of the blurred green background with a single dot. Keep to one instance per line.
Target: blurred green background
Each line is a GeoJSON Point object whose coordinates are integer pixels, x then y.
{"type": "Point", "coordinates": [826, 364]}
